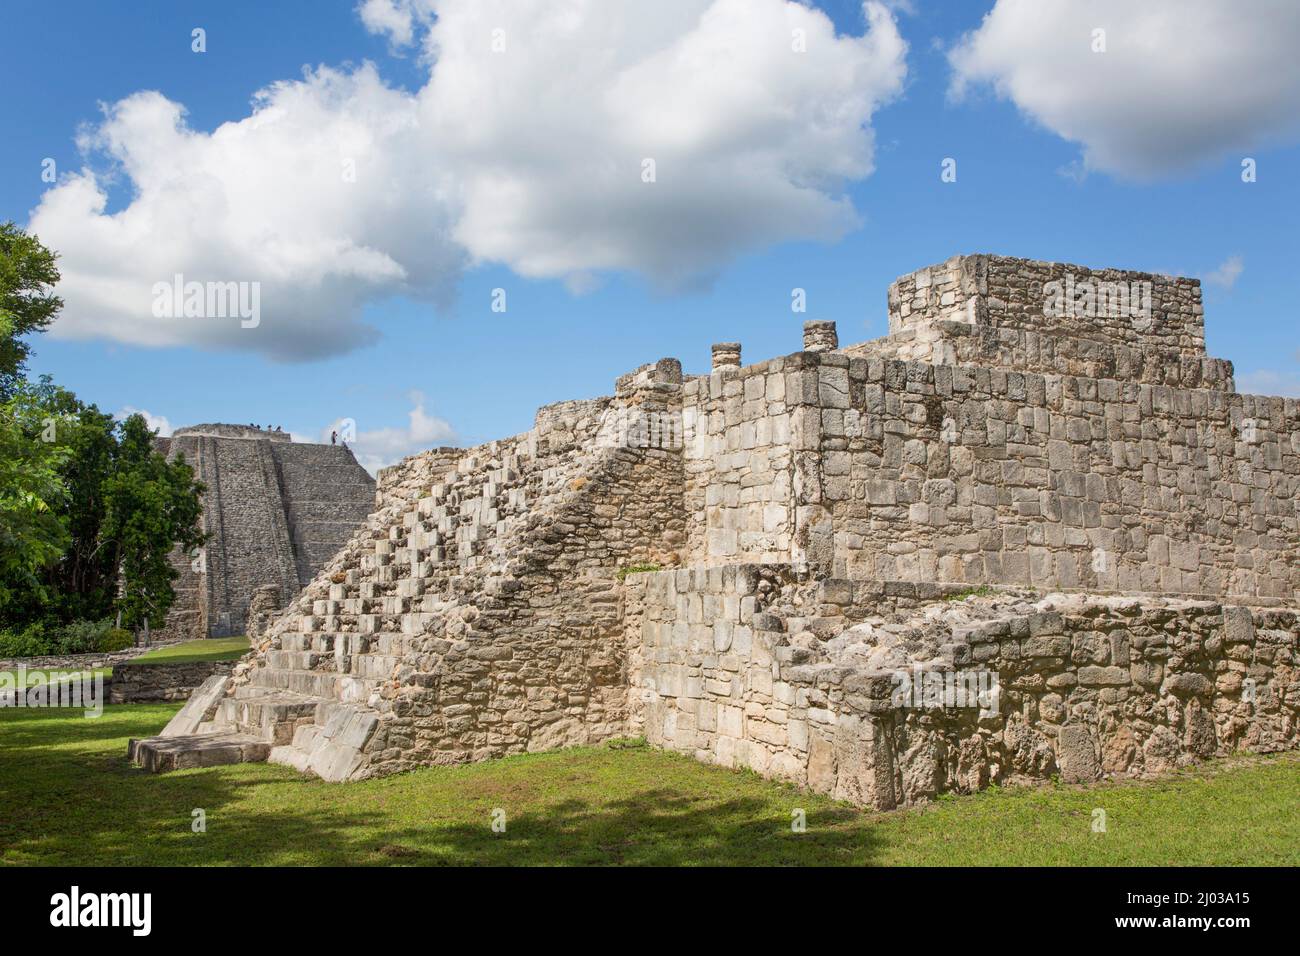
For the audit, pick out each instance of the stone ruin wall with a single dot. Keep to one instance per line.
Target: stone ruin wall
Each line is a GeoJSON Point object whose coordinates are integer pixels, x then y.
{"type": "Point", "coordinates": [1123, 462]}
{"type": "Point", "coordinates": [819, 509]}
{"type": "Point", "coordinates": [987, 476]}
{"type": "Point", "coordinates": [890, 470]}
{"type": "Point", "coordinates": [275, 512]}
{"type": "Point", "coordinates": [739, 666]}
{"type": "Point", "coordinates": [989, 310]}
{"type": "Point", "coordinates": [1006, 293]}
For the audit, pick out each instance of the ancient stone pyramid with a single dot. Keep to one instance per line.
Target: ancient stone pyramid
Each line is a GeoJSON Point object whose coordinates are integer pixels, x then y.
{"type": "Point", "coordinates": [275, 511]}
{"type": "Point", "coordinates": [1034, 530]}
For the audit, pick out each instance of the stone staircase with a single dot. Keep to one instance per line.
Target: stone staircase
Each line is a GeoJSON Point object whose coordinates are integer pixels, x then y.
{"type": "Point", "coordinates": [314, 692]}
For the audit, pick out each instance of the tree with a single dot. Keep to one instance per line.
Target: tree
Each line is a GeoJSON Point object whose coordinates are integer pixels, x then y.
{"type": "Point", "coordinates": [150, 506]}
{"type": "Point", "coordinates": [33, 498]}
{"type": "Point", "coordinates": [28, 274]}
{"type": "Point", "coordinates": [89, 511]}
{"type": "Point", "coordinates": [83, 583]}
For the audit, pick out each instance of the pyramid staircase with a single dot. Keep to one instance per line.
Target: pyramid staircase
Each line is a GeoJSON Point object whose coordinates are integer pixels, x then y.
{"type": "Point", "coordinates": [452, 524]}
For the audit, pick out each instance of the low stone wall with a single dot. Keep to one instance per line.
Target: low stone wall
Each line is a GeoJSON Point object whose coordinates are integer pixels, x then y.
{"type": "Point", "coordinates": [137, 683]}
{"type": "Point", "coordinates": [77, 662]}
{"type": "Point", "coordinates": [745, 666]}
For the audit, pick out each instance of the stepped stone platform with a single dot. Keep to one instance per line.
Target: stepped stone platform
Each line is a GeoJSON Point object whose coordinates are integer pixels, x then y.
{"type": "Point", "coordinates": [275, 511]}
{"type": "Point", "coordinates": [1033, 531]}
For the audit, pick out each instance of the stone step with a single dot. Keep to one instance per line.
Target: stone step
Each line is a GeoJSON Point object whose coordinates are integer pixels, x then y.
{"type": "Point", "coordinates": [353, 654]}
{"type": "Point", "coordinates": [319, 643]}
{"type": "Point", "coordinates": [271, 717]}
{"type": "Point", "coordinates": [373, 666]}
{"type": "Point", "coordinates": [293, 660]}
{"type": "Point", "coordinates": [325, 645]}
{"type": "Point", "coordinates": [160, 754]}
{"type": "Point", "coordinates": [333, 747]}
{"type": "Point", "coordinates": [328, 684]}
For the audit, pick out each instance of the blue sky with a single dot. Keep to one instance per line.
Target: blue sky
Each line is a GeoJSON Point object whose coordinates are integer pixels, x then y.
{"type": "Point", "coordinates": [483, 373]}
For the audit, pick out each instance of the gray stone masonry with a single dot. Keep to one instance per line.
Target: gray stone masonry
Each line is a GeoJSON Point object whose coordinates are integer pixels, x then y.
{"type": "Point", "coordinates": [726, 355]}
{"type": "Point", "coordinates": [136, 683]}
{"type": "Point", "coordinates": [820, 337]}
{"type": "Point", "coordinates": [1033, 531]}
{"type": "Point", "coordinates": [276, 512]}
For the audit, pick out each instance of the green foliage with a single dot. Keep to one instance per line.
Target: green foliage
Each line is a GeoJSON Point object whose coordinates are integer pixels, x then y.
{"type": "Point", "coordinates": [151, 505]}
{"type": "Point", "coordinates": [87, 508]}
{"type": "Point", "coordinates": [27, 303]}
{"type": "Point", "coordinates": [115, 639]}
{"type": "Point", "coordinates": [30, 641]}
{"type": "Point", "coordinates": [33, 499]}
{"type": "Point", "coordinates": [982, 591]}
{"type": "Point", "coordinates": [78, 637]}
{"type": "Point", "coordinates": [622, 573]}
{"type": "Point", "coordinates": [85, 579]}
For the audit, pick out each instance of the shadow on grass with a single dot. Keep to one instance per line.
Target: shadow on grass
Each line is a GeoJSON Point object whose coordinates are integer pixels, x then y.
{"type": "Point", "coordinates": [149, 824]}
{"type": "Point", "coordinates": [70, 798]}
{"type": "Point", "coordinates": [652, 828]}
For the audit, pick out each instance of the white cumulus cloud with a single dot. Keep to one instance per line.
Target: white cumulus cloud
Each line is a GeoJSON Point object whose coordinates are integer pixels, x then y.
{"type": "Point", "coordinates": [1180, 83]}
{"type": "Point", "coordinates": [266, 200]}
{"type": "Point", "coordinates": [1265, 381]}
{"type": "Point", "coordinates": [1226, 274]}
{"type": "Point", "coordinates": [526, 147]}
{"type": "Point", "coordinates": [395, 19]}
{"type": "Point", "coordinates": [377, 448]}
{"type": "Point", "coordinates": [156, 423]}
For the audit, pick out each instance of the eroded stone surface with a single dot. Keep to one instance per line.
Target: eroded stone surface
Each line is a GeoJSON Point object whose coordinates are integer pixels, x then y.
{"type": "Point", "coordinates": [274, 510]}
{"type": "Point", "coordinates": [159, 754]}
{"type": "Point", "coordinates": [808, 528]}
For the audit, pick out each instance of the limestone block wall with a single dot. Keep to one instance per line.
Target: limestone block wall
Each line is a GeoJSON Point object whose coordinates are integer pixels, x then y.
{"type": "Point", "coordinates": [1009, 293]}
{"type": "Point", "coordinates": [960, 343]}
{"type": "Point", "coordinates": [742, 435]}
{"type": "Point", "coordinates": [136, 683]}
{"type": "Point", "coordinates": [1051, 317]}
{"type": "Point", "coordinates": [275, 512]}
{"type": "Point", "coordinates": [870, 468]}
{"type": "Point", "coordinates": [986, 476]}
{"type": "Point", "coordinates": [909, 471]}
{"type": "Point", "coordinates": [732, 666]}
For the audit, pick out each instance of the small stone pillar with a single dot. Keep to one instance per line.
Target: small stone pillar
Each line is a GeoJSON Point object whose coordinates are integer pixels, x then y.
{"type": "Point", "coordinates": [726, 355]}
{"type": "Point", "coordinates": [820, 337]}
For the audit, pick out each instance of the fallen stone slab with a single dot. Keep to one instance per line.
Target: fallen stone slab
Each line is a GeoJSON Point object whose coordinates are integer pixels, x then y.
{"type": "Point", "coordinates": [160, 754]}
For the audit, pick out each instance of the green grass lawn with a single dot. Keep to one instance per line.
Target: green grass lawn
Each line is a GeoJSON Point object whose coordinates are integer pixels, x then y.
{"type": "Point", "coordinates": [68, 797]}
{"type": "Point", "coordinates": [208, 649]}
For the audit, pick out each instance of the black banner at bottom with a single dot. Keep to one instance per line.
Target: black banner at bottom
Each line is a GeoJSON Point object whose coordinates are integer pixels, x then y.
{"type": "Point", "coordinates": [332, 906]}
